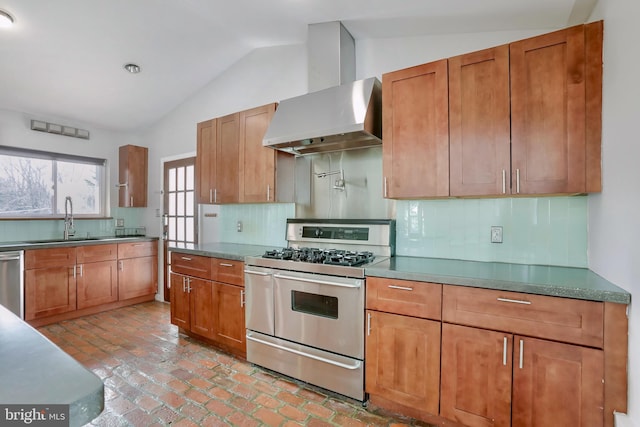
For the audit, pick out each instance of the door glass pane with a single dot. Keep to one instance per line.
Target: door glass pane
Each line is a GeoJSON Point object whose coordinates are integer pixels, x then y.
{"type": "Point", "coordinates": [190, 178]}
{"type": "Point", "coordinates": [180, 173]}
{"type": "Point", "coordinates": [190, 206]}
{"type": "Point", "coordinates": [190, 228]}
{"type": "Point", "coordinates": [172, 180]}
{"type": "Point", "coordinates": [180, 203]}
{"type": "Point", "coordinates": [172, 204]}
{"type": "Point", "coordinates": [180, 229]}
{"type": "Point", "coordinates": [172, 229]}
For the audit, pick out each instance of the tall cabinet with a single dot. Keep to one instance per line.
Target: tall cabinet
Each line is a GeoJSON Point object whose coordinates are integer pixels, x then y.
{"type": "Point", "coordinates": [133, 171]}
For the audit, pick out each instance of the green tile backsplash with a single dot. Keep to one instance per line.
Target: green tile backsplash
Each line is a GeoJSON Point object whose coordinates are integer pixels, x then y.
{"type": "Point", "coordinates": [541, 230]}
{"type": "Point", "coordinates": [262, 224]}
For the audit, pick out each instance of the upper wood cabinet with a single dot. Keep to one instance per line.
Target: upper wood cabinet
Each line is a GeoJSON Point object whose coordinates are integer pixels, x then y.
{"type": "Point", "coordinates": [257, 163]}
{"type": "Point", "coordinates": [217, 160]}
{"type": "Point", "coordinates": [132, 176]}
{"type": "Point", "coordinates": [523, 118]}
{"type": "Point", "coordinates": [415, 127]}
{"type": "Point", "coordinates": [479, 123]}
{"type": "Point", "coordinates": [206, 161]}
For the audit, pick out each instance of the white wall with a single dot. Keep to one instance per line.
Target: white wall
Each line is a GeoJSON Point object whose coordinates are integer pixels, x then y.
{"type": "Point", "coordinates": [614, 215]}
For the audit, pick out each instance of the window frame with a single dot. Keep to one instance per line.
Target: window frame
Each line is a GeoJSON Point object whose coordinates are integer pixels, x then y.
{"type": "Point", "coordinates": [101, 178]}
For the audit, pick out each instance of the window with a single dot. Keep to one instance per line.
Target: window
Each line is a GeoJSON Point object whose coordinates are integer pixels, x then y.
{"type": "Point", "coordinates": [34, 184]}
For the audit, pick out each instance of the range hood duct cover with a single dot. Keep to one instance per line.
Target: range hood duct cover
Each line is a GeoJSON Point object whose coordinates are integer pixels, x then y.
{"type": "Point", "coordinates": [338, 118]}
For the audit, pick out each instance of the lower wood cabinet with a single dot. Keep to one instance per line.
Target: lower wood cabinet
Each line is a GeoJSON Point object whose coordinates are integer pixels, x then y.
{"type": "Point", "coordinates": [497, 379]}
{"type": "Point", "coordinates": [72, 281]}
{"type": "Point", "coordinates": [403, 360]}
{"type": "Point", "coordinates": [207, 300]}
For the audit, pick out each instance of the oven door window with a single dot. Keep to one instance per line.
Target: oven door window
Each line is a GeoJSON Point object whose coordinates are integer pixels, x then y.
{"type": "Point", "coordinates": [317, 305]}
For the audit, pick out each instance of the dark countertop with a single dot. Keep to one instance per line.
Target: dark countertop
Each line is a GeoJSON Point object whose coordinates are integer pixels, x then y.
{"type": "Point", "coordinates": [233, 251]}
{"type": "Point", "coordinates": [35, 371]}
{"type": "Point", "coordinates": [580, 283]}
{"type": "Point", "coordinates": [75, 241]}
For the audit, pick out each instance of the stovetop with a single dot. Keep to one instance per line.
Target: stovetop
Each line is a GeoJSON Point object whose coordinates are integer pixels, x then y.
{"type": "Point", "coordinates": [322, 256]}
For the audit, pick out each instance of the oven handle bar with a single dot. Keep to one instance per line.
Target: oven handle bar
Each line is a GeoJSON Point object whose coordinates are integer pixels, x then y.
{"type": "Point", "coordinates": [258, 273]}
{"type": "Point", "coordinates": [302, 353]}
{"type": "Point", "coordinates": [358, 283]}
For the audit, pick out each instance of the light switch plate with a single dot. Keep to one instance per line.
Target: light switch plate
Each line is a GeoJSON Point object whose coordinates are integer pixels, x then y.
{"type": "Point", "coordinates": [496, 234]}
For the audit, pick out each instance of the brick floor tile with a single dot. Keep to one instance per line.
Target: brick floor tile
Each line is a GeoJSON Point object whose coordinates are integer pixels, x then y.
{"type": "Point", "coordinates": [213, 421]}
{"type": "Point", "coordinates": [200, 383]}
{"type": "Point", "coordinates": [242, 420]}
{"type": "Point", "coordinates": [138, 417]}
{"type": "Point", "coordinates": [194, 412]}
{"type": "Point", "coordinates": [121, 406]}
{"type": "Point", "coordinates": [292, 413]}
{"type": "Point", "coordinates": [184, 422]}
{"type": "Point", "coordinates": [267, 401]}
{"type": "Point", "coordinates": [197, 396]}
{"type": "Point", "coordinates": [147, 403]}
{"type": "Point", "coordinates": [268, 417]}
{"type": "Point", "coordinates": [178, 385]}
{"type": "Point", "coordinates": [318, 410]}
{"type": "Point", "coordinates": [172, 399]}
{"type": "Point", "coordinates": [290, 398]}
{"type": "Point", "coordinates": [315, 422]}
{"type": "Point", "coordinates": [287, 385]}
{"type": "Point", "coordinates": [219, 408]}
{"type": "Point", "coordinates": [345, 421]}
{"type": "Point", "coordinates": [220, 393]}
{"type": "Point", "coordinates": [166, 415]}
{"type": "Point", "coordinates": [242, 404]}
{"type": "Point", "coordinates": [245, 391]}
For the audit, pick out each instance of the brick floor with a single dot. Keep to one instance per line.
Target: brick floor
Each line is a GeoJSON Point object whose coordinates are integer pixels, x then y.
{"type": "Point", "coordinates": [155, 376]}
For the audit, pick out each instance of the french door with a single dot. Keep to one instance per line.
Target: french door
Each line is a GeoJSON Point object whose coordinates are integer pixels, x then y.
{"type": "Point", "coordinates": [180, 210]}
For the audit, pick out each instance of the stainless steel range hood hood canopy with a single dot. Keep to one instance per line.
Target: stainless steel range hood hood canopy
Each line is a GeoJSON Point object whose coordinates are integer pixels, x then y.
{"type": "Point", "coordinates": [339, 118]}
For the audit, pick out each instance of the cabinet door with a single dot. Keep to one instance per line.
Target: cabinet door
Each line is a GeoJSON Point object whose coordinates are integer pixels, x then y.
{"type": "Point", "coordinates": [133, 170]}
{"type": "Point", "coordinates": [557, 384]}
{"type": "Point", "coordinates": [180, 307]}
{"type": "Point", "coordinates": [476, 376]}
{"type": "Point", "coordinates": [403, 360]}
{"type": "Point", "coordinates": [415, 149]}
{"type": "Point", "coordinates": [137, 277]}
{"type": "Point", "coordinates": [479, 123]}
{"type": "Point", "coordinates": [257, 163]}
{"type": "Point", "coordinates": [227, 159]}
{"type": "Point", "coordinates": [49, 291]}
{"type": "Point", "coordinates": [201, 306]}
{"type": "Point", "coordinates": [206, 161]}
{"type": "Point", "coordinates": [97, 283]}
{"type": "Point", "coordinates": [228, 308]}
{"type": "Point", "coordinates": [548, 113]}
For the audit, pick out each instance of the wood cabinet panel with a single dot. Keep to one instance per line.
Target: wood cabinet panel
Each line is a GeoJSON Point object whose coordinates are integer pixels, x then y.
{"type": "Point", "coordinates": [548, 113]}
{"type": "Point", "coordinates": [561, 319]}
{"type": "Point", "coordinates": [415, 149]}
{"type": "Point", "coordinates": [479, 123]}
{"type": "Point", "coordinates": [137, 249]}
{"type": "Point", "coordinates": [476, 376]}
{"type": "Point", "coordinates": [97, 282]}
{"type": "Point", "coordinates": [132, 176]}
{"type": "Point", "coordinates": [180, 302]}
{"type": "Point", "coordinates": [257, 163]}
{"type": "Point", "coordinates": [557, 384]}
{"type": "Point", "coordinates": [49, 291]}
{"type": "Point", "coordinates": [137, 277]}
{"type": "Point", "coordinates": [192, 265]}
{"type": "Point", "coordinates": [418, 299]}
{"type": "Point", "coordinates": [53, 257]}
{"type": "Point", "coordinates": [200, 306]}
{"type": "Point", "coordinates": [228, 271]}
{"type": "Point", "coordinates": [228, 311]}
{"type": "Point", "coordinates": [95, 253]}
{"type": "Point", "coordinates": [403, 361]}
{"type": "Point", "coordinates": [226, 189]}
{"type": "Point", "coordinates": [206, 157]}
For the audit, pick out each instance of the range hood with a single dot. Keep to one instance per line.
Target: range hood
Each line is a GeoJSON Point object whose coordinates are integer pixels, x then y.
{"type": "Point", "coordinates": [344, 117]}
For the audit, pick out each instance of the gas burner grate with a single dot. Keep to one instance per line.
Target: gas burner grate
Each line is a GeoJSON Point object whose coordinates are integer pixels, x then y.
{"type": "Point", "coordinates": [322, 256]}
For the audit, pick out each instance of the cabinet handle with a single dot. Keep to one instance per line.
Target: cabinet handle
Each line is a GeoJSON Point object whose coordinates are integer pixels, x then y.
{"type": "Point", "coordinates": [521, 353]}
{"type": "Point", "coordinates": [368, 324]}
{"type": "Point", "coordinates": [504, 181]}
{"type": "Point", "coordinates": [224, 264]}
{"type": "Point", "coordinates": [268, 192]}
{"type": "Point", "coordinates": [81, 270]}
{"type": "Point", "coordinates": [211, 195]}
{"type": "Point", "coordinates": [131, 201]}
{"type": "Point", "coordinates": [184, 284]}
{"type": "Point", "coordinates": [242, 298]}
{"type": "Point", "coordinates": [385, 187]}
{"type": "Point", "coordinates": [74, 271]}
{"type": "Point", "coordinates": [215, 195]}
{"type": "Point", "coordinates": [185, 258]}
{"type": "Point", "coordinates": [514, 301]}
{"type": "Point", "coordinates": [120, 266]}
{"type": "Point", "coordinates": [504, 352]}
{"type": "Point", "coordinates": [518, 181]}
{"type": "Point", "coordinates": [402, 288]}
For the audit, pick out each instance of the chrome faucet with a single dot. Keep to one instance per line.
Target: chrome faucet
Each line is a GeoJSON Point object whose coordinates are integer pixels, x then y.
{"type": "Point", "coordinates": [68, 218]}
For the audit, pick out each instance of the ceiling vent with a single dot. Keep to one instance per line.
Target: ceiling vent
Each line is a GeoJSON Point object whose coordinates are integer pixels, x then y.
{"type": "Point", "coordinates": [65, 130]}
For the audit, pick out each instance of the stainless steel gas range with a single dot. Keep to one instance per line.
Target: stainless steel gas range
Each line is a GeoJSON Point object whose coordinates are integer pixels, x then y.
{"type": "Point", "coordinates": [305, 303]}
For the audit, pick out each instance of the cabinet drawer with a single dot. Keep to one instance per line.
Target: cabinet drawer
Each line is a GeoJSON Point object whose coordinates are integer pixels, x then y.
{"type": "Point", "coordinates": [96, 253]}
{"type": "Point", "coordinates": [192, 265]}
{"type": "Point", "coordinates": [417, 299]}
{"type": "Point", "coordinates": [137, 249]}
{"type": "Point", "coordinates": [560, 319]}
{"type": "Point", "coordinates": [228, 271]}
{"type": "Point", "coordinates": [45, 258]}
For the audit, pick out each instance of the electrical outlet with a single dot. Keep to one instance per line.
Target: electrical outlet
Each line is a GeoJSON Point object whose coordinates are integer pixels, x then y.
{"type": "Point", "coordinates": [120, 222]}
{"type": "Point", "coordinates": [496, 234]}
{"type": "Point", "coordinates": [239, 226]}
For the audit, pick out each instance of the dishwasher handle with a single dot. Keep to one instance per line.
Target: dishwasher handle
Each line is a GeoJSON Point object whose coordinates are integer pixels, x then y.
{"type": "Point", "coordinates": [10, 256]}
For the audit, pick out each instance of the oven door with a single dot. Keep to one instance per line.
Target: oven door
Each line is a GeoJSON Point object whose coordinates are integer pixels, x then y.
{"type": "Point", "coordinates": [320, 311]}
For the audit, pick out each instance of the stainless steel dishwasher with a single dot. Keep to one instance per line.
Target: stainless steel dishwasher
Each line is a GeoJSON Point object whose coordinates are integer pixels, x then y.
{"type": "Point", "coordinates": [12, 281]}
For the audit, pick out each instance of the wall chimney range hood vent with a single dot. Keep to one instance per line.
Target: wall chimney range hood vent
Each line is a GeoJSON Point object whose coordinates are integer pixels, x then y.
{"type": "Point", "coordinates": [344, 117]}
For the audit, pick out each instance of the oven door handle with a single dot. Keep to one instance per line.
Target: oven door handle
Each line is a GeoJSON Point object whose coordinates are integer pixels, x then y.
{"type": "Point", "coordinates": [357, 284]}
{"type": "Point", "coordinates": [302, 353]}
{"type": "Point", "coordinates": [258, 273]}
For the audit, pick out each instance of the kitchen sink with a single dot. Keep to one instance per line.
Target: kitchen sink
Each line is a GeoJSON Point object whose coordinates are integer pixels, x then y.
{"type": "Point", "coordinates": [75, 239]}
